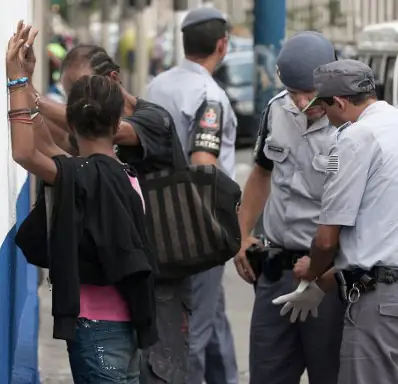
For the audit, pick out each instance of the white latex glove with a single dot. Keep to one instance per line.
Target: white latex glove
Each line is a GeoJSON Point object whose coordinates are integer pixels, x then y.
{"type": "Point", "coordinates": [306, 298]}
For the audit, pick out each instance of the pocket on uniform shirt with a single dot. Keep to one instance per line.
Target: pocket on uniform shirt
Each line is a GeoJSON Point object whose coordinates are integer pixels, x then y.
{"type": "Point", "coordinates": [319, 165]}
{"type": "Point", "coordinates": [278, 154]}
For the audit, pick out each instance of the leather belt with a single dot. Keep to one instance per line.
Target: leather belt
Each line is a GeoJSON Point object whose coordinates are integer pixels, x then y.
{"type": "Point", "coordinates": [355, 282]}
{"type": "Point", "coordinates": [287, 257]}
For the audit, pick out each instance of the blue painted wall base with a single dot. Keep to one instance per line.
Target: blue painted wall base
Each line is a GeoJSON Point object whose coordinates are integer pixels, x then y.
{"type": "Point", "coordinates": [19, 312]}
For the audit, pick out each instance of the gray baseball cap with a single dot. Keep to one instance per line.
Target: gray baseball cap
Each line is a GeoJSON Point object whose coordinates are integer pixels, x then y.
{"type": "Point", "coordinates": [342, 78]}
{"type": "Point", "coordinates": [202, 15]}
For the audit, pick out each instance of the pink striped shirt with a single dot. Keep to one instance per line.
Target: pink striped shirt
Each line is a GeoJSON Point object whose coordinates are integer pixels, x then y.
{"type": "Point", "coordinates": [105, 303]}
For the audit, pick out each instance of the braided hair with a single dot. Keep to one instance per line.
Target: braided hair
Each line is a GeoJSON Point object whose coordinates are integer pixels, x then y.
{"type": "Point", "coordinates": [100, 62]}
{"type": "Point", "coordinates": [95, 105]}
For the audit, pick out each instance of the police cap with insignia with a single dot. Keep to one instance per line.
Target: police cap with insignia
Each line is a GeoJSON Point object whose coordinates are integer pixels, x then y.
{"type": "Point", "coordinates": [202, 15]}
{"type": "Point", "coordinates": [342, 78]}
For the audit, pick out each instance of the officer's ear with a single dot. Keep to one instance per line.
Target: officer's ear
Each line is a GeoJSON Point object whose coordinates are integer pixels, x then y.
{"type": "Point", "coordinates": [222, 46]}
{"type": "Point", "coordinates": [340, 103]}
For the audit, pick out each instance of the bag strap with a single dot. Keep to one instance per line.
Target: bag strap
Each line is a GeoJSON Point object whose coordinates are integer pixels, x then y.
{"type": "Point", "coordinates": [179, 158]}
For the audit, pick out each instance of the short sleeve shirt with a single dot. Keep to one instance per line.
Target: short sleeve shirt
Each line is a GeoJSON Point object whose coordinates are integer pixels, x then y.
{"type": "Point", "coordinates": [200, 109]}
{"type": "Point", "coordinates": [361, 189]}
{"type": "Point", "coordinates": [155, 150]}
{"type": "Point", "coordinates": [297, 156]}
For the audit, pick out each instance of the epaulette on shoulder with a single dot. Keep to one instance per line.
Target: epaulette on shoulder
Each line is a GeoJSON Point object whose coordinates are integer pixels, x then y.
{"type": "Point", "coordinates": [342, 128]}
{"type": "Point", "coordinates": [278, 96]}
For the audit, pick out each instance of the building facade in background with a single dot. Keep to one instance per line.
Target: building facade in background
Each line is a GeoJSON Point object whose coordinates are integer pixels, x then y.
{"type": "Point", "coordinates": [339, 20]}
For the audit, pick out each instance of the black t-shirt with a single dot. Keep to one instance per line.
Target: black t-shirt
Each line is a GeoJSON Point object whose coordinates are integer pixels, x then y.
{"type": "Point", "coordinates": [153, 125]}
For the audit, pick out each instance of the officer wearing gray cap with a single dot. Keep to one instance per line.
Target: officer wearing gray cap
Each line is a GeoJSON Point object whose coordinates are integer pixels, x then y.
{"type": "Point", "coordinates": [291, 157]}
{"type": "Point", "coordinates": [202, 15]}
{"type": "Point", "coordinates": [358, 225]}
{"type": "Point", "coordinates": [206, 125]}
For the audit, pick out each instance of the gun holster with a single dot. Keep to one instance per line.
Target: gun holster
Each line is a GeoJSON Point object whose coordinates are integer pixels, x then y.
{"type": "Point", "coordinates": [256, 255]}
{"type": "Point", "coordinates": [273, 265]}
{"type": "Point", "coordinates": [271, 261]}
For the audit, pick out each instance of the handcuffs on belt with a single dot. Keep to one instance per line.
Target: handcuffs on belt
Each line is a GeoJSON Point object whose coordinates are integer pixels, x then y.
{"type": "Point", "coordinates": [354, 294]}
{"type": "Point", "coordinates": [360, 282]}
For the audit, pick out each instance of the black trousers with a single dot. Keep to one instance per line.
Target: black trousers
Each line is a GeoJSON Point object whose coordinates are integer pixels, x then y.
{"type": "Point", "coordinates": [167, 360]}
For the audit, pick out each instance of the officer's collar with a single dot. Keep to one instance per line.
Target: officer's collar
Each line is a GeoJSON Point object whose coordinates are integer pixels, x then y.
{"type": "Point", "coordinates": [371, 108]}
{"type": "Point", "coordinates": [344, 126]}
{"type": "Point", "coordinates": [290, 106]}
{"type": "Point", "coordinates": [301, 119]}
{"type": "Point", "coordinates": [321, 123]}
{"type": "Point", "coordinates": [194, 67]}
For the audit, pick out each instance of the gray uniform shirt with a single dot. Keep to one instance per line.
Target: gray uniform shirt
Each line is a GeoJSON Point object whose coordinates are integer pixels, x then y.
{"type": "Point", "coordinates": [361, 189]}
{"type": "Point", "coordinates": [298, 157]}
{"type": "Point", "coordinates": [197, 103]}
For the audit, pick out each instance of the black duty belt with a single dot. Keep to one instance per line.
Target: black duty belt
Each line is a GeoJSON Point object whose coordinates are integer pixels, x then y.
{"type": "Point", "coordinates": [386, 275]}
{"type": "Point", "coordinates": [286, 257]}
{"type": "Point", "coordinates": [271, 260]}
{"type": "Point", "coordinates": [358, 281]}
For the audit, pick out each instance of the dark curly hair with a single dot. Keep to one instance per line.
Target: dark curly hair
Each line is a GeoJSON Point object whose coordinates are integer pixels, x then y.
{"type": "Point", "coordinates": [95, 105]}
{"type": "Point", "coordinates": [100, 62]}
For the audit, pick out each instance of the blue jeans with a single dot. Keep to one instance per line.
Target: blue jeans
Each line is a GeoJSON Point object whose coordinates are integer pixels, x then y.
{"type": "Point", "coordinates": [104, 352]}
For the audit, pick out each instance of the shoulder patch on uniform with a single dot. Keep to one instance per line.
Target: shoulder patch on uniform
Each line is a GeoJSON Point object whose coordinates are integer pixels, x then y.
{"type": "Point", "coordinates": [211, 116]}
{"type": "Point", "coordinates": [333, 164]}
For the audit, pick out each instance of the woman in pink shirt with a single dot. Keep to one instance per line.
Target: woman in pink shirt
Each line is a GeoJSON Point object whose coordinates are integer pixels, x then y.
{"type": "Point", "coordinates": [105, 347]}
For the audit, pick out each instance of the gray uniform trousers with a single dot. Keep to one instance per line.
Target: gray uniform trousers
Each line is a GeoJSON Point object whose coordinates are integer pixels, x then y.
{"type": "Point", "coordinates": [369, 350]}
{"type": "Point", "coordinates": [280, 351]}
{"type": "Point", "coordinates": [212, 352]}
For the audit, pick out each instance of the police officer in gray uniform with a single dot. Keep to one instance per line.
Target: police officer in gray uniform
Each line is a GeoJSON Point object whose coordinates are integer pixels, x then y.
{"type": "Point", "coordinates": [290, 166]}
{"type": "Point", "coordinates": [206, 125]}
{"type": "Point", "coordinates": [358, 224]}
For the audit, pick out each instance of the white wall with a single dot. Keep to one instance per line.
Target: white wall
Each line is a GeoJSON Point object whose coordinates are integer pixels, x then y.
{"type": "Point", "coordinates": [11, 175]}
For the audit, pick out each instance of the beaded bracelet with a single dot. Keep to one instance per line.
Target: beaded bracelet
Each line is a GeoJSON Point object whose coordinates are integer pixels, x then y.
{"type": "Point", "coordinates": [17, 88]}
{"type": "Point", "coordinates": [12, 111]}
{"type": "Point", "coordinates": [18, 112]}
{"type": "Point", "coordinates": [13, 83]}
{"type": "Point", "coordinates": [32, 113]}
{"type": "Point", "coordinates": [20, 120]}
